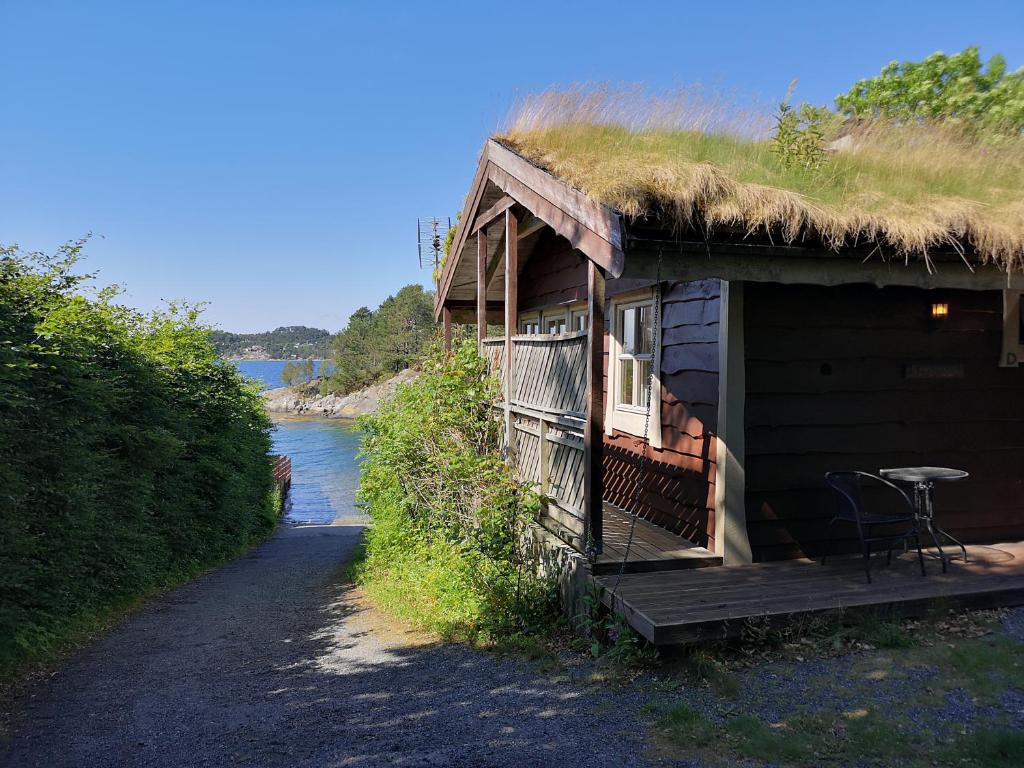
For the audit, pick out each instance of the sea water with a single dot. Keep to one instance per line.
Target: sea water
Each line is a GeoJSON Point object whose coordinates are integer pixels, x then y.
{"type": "Point", "coordinates": [325, 473]}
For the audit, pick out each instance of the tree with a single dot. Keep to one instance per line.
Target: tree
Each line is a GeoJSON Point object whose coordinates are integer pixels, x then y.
{"type": "Point", "coordinates": [952, 88]}
{"type": "Point", "coordinates": [297, 372]}
{"type": "Point", "coordinates": [381, 342]}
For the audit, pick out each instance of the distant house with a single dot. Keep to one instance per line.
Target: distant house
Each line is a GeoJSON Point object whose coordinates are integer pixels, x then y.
{"type": "Point", "coordinates": [777, 351]}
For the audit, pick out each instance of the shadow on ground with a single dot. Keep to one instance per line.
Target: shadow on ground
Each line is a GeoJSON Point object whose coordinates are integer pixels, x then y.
{"type": "Point", "coordinates": [275, 661]}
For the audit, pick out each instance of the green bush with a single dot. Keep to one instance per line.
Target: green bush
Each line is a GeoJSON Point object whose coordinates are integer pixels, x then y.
{"type": "Point", "coordinates": [130, 457]}
{"type": "Point", "coordinates": [444, 551]}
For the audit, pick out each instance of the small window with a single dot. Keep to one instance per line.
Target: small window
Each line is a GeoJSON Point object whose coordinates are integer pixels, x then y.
{"type": "Point", "coordinates": [635, 337]}
{"type": "Point", "coordinates": [579, 320]}
{"type": "Point", "coordinates": [555, 324]}
{"type": "Point", "coordinates": [530, 324]}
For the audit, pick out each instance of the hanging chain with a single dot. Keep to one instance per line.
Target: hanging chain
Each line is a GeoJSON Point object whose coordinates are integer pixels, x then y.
{"type": "Point", "coordinates": [645, 454]}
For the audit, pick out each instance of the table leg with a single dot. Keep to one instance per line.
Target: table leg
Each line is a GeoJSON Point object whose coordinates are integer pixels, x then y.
{"type": "Point", "coordinates": [926, 495]}
{"type": "Point", "coordinates": [942, 534]}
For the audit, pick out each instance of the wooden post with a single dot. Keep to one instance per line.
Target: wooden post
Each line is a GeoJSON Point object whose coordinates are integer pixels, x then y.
{"type": "Point", "coordinates": [446, 320]}
{"type": "Point", "coordinates": [731, 540]}
{"type": "Point", "coordinates": [511, 315]}
{"type": "Point", "coordinates": [593, 431]}
{"type": "Point", "coordinates": [481, 287]}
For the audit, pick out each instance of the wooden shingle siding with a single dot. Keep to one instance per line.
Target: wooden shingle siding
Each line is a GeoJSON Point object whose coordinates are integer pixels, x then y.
{"type": "Point", "coordinates": [857, 377]}
{"type": "Point", "coordinates": [679, 480]}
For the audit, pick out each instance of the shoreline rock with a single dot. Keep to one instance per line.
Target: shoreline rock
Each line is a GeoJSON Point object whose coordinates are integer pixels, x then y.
{"type": "Point", "coordinates": [350, 406]}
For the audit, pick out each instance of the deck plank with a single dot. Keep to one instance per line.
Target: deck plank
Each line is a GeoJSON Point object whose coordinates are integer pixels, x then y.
{"type": "Point", "coordinates": [684, 606]}
{"type": "Point", "coordinates": [653, 548]}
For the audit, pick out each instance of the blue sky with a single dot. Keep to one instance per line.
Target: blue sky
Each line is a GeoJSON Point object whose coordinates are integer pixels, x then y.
{"type": "Point", "coordinates": [272, 158]}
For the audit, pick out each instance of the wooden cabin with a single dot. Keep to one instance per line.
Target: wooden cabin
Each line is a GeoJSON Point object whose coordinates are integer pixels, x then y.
{"type": "Point", "coordinates": [706, 379]}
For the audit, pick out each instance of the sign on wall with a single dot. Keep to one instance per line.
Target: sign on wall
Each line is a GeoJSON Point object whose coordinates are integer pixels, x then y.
{"type": "Point", "coordinates": [1013, 329]}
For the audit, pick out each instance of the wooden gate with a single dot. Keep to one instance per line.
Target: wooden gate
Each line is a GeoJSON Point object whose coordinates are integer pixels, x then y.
{"type": "Point", "coordinates": [548, 412]}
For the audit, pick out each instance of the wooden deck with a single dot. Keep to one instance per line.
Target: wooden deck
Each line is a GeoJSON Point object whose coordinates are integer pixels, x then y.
{"type": "Point", "coordinates": [672, 607]}
{"type": "Point", "coordinates": [653, 548]}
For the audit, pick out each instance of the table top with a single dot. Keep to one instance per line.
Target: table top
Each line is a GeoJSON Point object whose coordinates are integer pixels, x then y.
{"type": "Point", "coordinates": [923, 474]}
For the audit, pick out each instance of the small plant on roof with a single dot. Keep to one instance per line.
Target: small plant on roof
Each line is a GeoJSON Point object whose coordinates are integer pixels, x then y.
{"type": "Point", "coordinates": [799, 138]}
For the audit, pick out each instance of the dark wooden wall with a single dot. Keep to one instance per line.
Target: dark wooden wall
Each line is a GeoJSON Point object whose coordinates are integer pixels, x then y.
{"type": "Point", "coordinates": [554, 275]}
{"type": "Point", "coordinates": [828, 388]}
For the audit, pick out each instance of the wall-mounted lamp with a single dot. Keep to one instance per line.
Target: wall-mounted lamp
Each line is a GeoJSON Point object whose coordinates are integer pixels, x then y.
{"type": "Point", "coordinates": [940, 311]}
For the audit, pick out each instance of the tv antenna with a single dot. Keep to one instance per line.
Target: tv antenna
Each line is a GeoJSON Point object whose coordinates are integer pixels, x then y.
{"type": "Point", "coordinates": [431, 232]}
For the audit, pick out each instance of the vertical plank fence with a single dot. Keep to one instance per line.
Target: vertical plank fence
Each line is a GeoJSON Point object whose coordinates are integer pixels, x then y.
{"type": "Point", "coordinates": [548, 413]}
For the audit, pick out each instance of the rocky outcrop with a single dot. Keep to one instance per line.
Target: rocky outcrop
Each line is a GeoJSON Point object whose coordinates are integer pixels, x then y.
{"type": "Point", "coordinates": [359, 403]}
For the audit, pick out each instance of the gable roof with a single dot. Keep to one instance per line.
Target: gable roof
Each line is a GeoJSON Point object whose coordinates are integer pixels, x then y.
{"type": "Point", "coordinates": [503, 179]}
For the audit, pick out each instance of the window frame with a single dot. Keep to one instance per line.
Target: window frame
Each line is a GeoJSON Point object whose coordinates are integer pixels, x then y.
{"type": "Point", "coordinates": [559, 316]}
{"type": "Point", "coordinates": [526, 321]}
{"type": "Point", "coordinates": [625, 417]}
{"type": "Point", "coordinates": [577, 313]}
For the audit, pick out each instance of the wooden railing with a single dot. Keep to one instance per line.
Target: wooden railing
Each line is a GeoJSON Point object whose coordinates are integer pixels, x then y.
{"type": "Point", "coordinates": [282, 473]}
{"type": "Point", "coordinates": [547, 413]}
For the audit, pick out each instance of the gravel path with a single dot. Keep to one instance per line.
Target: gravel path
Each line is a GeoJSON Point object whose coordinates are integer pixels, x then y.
{"type": "Point", "coordinates": [273, 660]}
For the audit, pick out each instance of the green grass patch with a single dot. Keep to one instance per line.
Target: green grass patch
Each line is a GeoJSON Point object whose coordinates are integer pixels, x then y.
{"type": "Point", "coordinates": [685, 726]}
{"type": "Point", "coordinates": [986, 667]}
{"type": "Point", "coordinates": [989, 748]}
{"type": "Point", "coordinates": [775, 743]}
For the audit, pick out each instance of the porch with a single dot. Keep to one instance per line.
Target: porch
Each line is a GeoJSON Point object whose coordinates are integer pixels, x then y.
{"type": "Point", "coordinates": [673, 607]}
{"type": "Point", "coordinates": [545, 413]}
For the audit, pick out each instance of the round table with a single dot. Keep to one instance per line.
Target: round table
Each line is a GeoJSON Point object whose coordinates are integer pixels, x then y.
{"type": "Point", "coordinates": [923, 480]}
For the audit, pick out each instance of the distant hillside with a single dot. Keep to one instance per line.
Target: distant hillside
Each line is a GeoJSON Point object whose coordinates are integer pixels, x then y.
{"type": "Point", "coordinates": [280, 343]}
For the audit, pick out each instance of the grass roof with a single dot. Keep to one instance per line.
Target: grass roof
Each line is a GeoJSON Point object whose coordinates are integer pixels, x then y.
{"type": "Point", "coordinates": [905, 188]}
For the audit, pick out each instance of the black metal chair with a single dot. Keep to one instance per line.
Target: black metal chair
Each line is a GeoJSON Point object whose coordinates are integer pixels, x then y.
{"type": "Point", "coordinates": [847, 487]}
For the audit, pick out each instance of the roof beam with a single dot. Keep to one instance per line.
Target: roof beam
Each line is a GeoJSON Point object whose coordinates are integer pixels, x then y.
{"type": "Point", "coordinates": [488, 216]}
{"type": "Point", "coordinates": [697, 261]}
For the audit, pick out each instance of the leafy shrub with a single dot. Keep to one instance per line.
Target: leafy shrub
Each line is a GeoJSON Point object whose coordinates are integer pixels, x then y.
{"type": "Point", "coordinates": [799, 138]}
{"type": "Point", "coordinates": [953, 88]}
{"type": "Point", "coordinates": [130, 457]}
{"type": "Point", "coordinates": [445, 548]}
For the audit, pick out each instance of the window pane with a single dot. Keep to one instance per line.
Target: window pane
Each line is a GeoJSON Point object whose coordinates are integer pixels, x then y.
{"type": "Point", "coordinates": [645, 330]}
{"type": "Point", "coordinates": [626, 382]}
{"type": "Point", "coordinates": [581, 322]}
{"type": "Point", "coordinates": [644, 373]}
{"type": "Point", "coordinates": [627, 322]}
{"type": "Point", "coordinates": [556, 325]}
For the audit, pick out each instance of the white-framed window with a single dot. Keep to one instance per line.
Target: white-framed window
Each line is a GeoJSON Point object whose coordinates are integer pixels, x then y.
{"type": "Point", "coordinates": [560, 319]}
{"type": "Point", "coordinates": [555, 322]}
{"type": "Point", "coordinates": [634, 362]}
{"type": "Point", "coordinates": [529, 324]}
{"type": "Point", "coordinates": [1013, 330]}
{"type": "Point", "coordinates": [578, 320]}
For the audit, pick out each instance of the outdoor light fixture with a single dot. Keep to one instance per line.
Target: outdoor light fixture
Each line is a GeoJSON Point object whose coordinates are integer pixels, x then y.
{"type": "Point", "coordinates": [940, 311]}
